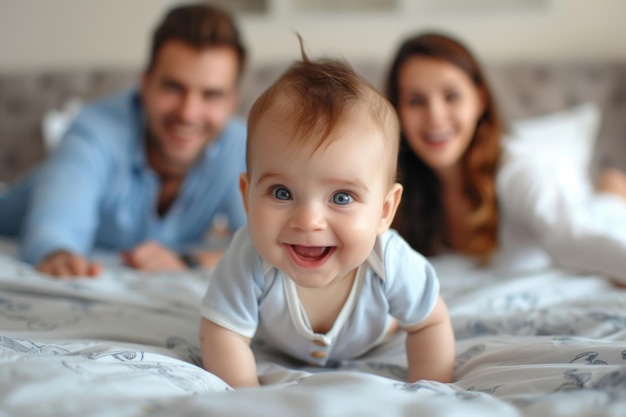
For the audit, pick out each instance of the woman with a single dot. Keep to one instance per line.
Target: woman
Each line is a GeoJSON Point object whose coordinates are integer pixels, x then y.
{"type": "Point", "coordinates": [458, 193]}
{"type": "Point", "coordinates": [451, 147]}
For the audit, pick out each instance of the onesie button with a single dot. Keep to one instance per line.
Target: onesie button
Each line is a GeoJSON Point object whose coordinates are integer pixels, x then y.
{"type": "Point", "coordinates": [320, 342]}
{"type": "Point", "coordinates": [318, 354]}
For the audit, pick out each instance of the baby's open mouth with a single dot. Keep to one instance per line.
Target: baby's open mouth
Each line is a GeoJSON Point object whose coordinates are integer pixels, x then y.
{"type": "Point", "coordinates": [311, 252]}
{"type": "Point", "coordinates": [310, 255]}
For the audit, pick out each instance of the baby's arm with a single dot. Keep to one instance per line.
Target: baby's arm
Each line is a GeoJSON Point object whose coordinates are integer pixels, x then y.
{"type": "Point", "coordinates": [430, 347]}
{"type": "Point", "coordinates": [227, 355]}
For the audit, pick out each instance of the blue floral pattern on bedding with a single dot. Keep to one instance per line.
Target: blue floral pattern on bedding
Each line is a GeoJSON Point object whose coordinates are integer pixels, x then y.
{"type": "Point", "coordinates": [527, 345]}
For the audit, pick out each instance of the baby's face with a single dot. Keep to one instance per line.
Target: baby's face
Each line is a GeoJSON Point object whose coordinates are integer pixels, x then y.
{"type": "Point", "coordinates": [316, 215]}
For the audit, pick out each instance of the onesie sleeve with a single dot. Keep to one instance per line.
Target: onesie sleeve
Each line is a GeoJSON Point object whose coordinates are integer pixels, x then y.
{"type": "Point", "coordinates": [411, 285]}
{"type": "Point", "coordinates": [235, 286]}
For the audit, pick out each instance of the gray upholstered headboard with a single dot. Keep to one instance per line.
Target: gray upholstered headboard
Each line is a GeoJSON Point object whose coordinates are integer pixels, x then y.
{"type": "Point", "coordinates": [531, 89]}
{"type": "Point", "coordinates": [522, 89]}
{"type": "Point", "coordinates": [25, 98]}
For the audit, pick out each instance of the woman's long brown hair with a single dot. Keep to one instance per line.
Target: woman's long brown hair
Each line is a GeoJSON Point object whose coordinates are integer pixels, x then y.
{"type": "Point", "coordinates": [420, 217]}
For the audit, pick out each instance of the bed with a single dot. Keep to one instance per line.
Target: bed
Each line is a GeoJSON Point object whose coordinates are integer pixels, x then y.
{"type": "Point", "coordinates": [540, 343]}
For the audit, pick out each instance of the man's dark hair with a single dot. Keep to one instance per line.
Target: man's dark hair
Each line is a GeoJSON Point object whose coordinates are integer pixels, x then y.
{"type": "Point", "coordinates": [200, 26]}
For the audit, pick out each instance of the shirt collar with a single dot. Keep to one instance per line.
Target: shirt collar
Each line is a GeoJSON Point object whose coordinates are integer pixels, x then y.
{"type": "Point", "coordinates": [139, 149]}
{"type": "Point", "coordinates": [375, 260]}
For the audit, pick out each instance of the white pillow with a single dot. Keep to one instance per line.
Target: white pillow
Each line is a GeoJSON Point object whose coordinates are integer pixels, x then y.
{"type": "Point", "coordinates": [56, 122]}
{"type": "Point", "coordinates": [559, 145]}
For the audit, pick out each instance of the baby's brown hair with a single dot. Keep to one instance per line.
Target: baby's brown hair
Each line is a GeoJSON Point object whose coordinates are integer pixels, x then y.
{"type": "Point", "coordinates": [313, 96]}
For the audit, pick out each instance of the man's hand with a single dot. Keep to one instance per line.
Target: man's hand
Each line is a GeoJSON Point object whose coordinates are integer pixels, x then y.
{"type": "Point", "coordinates": [153, 257]}
{"type": "Point", "coordinates": [64, 264]}
{"type": "Point", "coordinates": [209, 259]}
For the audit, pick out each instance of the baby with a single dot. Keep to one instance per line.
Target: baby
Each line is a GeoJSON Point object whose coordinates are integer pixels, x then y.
{"type": "Point", "coordinates": [317, 273]}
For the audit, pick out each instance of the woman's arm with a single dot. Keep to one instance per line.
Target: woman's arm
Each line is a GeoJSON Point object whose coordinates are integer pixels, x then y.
{"type": "Point", "coordinates": [227, 355]}
{"type": "Point", "coordinates": [430, 347]}
{"type": "Point", "coordinates": [579, 230]}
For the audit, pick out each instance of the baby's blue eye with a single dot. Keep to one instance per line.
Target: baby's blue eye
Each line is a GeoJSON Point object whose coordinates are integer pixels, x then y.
{"type": "Point", "coordinates": [342, 199]}
{"type": "Point", "coordinates": [281, 193]}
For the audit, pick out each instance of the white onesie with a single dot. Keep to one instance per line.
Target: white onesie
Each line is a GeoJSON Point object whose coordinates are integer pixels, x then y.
{"type": "Point", "coordinates": [254, 299]}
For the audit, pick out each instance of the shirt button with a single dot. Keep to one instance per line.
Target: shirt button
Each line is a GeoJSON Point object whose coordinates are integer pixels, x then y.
{"type": "Point", "coordinates": [320, 342]}
{"type": "Point", "coordinates": [318, 354]}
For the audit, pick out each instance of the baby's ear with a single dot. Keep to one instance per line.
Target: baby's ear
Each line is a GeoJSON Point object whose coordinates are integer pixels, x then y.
{"type": "Point", "coordinates": [390, 206]}
{"type": "Point", "coordinates": [244, 183]}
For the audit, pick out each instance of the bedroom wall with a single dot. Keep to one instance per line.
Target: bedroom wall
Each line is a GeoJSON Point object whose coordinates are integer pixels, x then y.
{"type": "Point", "coordinates": [40, 35]}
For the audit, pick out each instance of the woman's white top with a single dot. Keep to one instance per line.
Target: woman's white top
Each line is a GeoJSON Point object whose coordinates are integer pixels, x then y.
{"type": "Point", "coordinates": [550, 215]}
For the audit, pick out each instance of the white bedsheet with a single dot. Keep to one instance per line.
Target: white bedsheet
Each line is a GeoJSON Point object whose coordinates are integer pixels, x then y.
{"type": "Point", "coordinates": [547, 343]}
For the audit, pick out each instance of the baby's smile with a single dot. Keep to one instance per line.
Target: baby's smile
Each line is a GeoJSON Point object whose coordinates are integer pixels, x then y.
{"type": "Point", "coordinates": [310, 256]}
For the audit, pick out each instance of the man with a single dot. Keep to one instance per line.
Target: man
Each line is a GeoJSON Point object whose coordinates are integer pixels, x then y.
{"type": "Point", "coordinates": [145, 172]}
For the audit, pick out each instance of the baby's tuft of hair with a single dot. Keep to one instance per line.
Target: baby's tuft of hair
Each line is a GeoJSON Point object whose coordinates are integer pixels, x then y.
{"type": "Point", "coordinates": [312, 97]}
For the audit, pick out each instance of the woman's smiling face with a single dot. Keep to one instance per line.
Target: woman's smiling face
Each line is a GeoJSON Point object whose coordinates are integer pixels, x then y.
{"type": "Point", "coordinates": [439, 107]}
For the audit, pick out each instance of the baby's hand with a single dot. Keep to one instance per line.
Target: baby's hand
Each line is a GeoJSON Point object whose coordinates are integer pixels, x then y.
{"type": "Point", "coordinates": [612, 180]}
